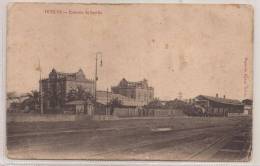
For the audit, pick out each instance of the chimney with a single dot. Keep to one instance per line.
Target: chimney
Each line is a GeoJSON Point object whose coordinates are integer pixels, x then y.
{"type": "Point", "coordinates": [224, 96]}
{"type": "Point", "coordinates": [216, 95]}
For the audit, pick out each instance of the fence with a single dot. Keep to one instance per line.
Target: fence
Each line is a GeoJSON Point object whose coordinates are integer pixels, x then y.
{"type": "Point", "coordinates": [27, 117]}
{"type": "Point", "coordinates": [134, 112]}
{"type": "Point", "coordinates": [117, 113]}
{"type": "Point", "coordinates": [105, 117]}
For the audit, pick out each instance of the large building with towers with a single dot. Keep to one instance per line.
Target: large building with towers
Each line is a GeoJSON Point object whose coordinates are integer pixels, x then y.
{"type": "Point", "coordinates": [139, 91]}
{"type": "Point", "coordinates": [56, 87]}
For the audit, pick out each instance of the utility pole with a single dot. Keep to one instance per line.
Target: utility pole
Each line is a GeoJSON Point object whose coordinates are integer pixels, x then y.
{"type": "Point", "coordinates": [107, 103]}
{"type": "Point", "coordinates": [41, 93]}
{"type": "Point", "coordinates": [96, 79]}
{"type": "Point", "coordinates": [95, 86]}
{"type": "Point", "coordinates": [180, 95]}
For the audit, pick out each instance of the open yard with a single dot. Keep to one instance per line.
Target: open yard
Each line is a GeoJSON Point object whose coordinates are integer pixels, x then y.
{"type": "Point", "coordinates": [180, 138]}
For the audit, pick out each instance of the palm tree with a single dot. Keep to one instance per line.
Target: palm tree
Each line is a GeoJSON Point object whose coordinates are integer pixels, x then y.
{"type": "Point", "coordinates": [72, 95]}
{"type": "Point", "coordinates": [79, 94]}
{"type": "Point", "coordinates": [33, 100]}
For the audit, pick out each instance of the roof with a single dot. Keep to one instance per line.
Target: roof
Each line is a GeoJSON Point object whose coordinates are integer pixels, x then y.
{"type": "Point", "coordinates": [221, 100]}
{"type": "Point", "coordinates": [247, 101]}
{"type": "Point", "coordinates": [130, 84]}
{"type": "Point", "coordinates": [66, 74]}
{"type": "Point", "coordinates": [79, 75]}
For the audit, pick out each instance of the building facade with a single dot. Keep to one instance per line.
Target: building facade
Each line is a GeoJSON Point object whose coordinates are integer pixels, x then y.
{"type": "Point", "coordinates": [248, 106]}
{"type": "Point", "coordinates": [56, 87]}
{"type": "Point", "coordinates": [104, 97]}
{"type": "Point", "coordinates": [139, 91]}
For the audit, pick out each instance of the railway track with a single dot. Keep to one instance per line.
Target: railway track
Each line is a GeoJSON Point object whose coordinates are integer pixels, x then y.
{"type": "Point", "coordinates": [236, 146]}
{"type": "Point", "coordinates": [13, 138]}
{"type": "Point", "coordinates": [192, 134]}
{"type": "Point", "coordinates": [239, 147]}
{"type": "Point", "coordinates": [149, 140]}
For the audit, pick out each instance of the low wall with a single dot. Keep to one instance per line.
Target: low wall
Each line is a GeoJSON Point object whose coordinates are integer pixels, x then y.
{"type": "Point", "coordinates": [104, 117]}
{"type": "Point", "coordinates": [125, 112]}
{"type": "Point", "coordinates": [118, 112]}
{"type": "Point", "coordinates": [134, 112]}
{"type": "Point", "coordinates": [236, 114]}
{"type": "Point", "coordinates": [168, 112]}
{"type": "Point", "coordinates": [25, 117]}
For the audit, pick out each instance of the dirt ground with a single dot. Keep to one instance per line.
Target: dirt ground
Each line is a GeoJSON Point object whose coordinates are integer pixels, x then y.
{"type": "Point", "coordinates": [182, 138]}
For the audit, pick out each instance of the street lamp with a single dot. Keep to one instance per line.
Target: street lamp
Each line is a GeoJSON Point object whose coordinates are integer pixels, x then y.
{"type": "Point", "coordinates": [98, 54]}
{"type": "Point", "coordinates": [41, 89]}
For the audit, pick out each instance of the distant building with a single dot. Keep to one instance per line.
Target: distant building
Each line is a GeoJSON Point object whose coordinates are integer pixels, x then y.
{"type": "Point", "coordinates": [104, 97]}
{"type": "Point", "coordinates": [248, 106]}
{"type": "Point", "coordinates": [139, 91]}
{"type": "Point", "coordinates": [56, 88]}
{"type": "Point", "coordinates": [218, 106]}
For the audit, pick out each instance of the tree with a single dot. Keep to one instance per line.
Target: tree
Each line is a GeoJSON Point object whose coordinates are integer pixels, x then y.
{"type": "Point", "coordinates": [34, 94]}
{"type": "Point", "coordinates": [72, 95]}
{"type": "Point", "coordinates": [176, 104]}
{"type": "Point", "coordinates": [33, 100]}
{"type": "Point", "coordinates": [114, 103]}
{"type": "Point", "coordinates": [12, 104]}
{"type": "Point", "coordinates": [156, 103]}
{"type": "Point", "coordinates": [79, 93]}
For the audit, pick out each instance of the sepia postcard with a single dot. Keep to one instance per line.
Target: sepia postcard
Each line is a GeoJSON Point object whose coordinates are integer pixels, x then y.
{"type": "Point", "coordinates": [129, 82]}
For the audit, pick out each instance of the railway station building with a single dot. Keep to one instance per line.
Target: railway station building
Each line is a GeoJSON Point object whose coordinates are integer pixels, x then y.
{"type": "Point", "coordinates": [219, 106]}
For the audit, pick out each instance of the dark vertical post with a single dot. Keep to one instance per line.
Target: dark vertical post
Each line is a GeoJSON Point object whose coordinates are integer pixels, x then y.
{"type": "Point", "coordinates": [95, 92]}
{"type": "Point", "coordinates": [41, 96]}
{"type": "Point", "coordinates": [107, 103]}
{"type": "Point", "coordinates": [41, 91]}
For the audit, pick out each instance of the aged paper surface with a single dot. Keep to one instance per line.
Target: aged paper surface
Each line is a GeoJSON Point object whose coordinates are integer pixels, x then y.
{"type": "Point", "coordinates": [129, 82]}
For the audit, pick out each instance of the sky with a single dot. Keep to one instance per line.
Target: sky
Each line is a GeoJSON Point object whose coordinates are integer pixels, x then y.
{"type": "Point", "coordinates": [192, 49]}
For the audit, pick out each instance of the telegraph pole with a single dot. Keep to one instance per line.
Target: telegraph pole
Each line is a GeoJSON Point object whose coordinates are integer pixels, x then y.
{"type": "Point", "coordinates": [96, 79]}
{"type": "Point", "coordinates": [41, 94]}
{"type": "Point", "coordinates": [107, 103]}
{"type": "Point", "coordinates": [95, 93]}
{"type": "Point", "coordinates": [180, 95]}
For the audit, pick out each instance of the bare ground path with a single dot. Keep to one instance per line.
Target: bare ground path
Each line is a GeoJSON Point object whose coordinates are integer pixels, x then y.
{"type": "Point", "coordinates": [128, 139]}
